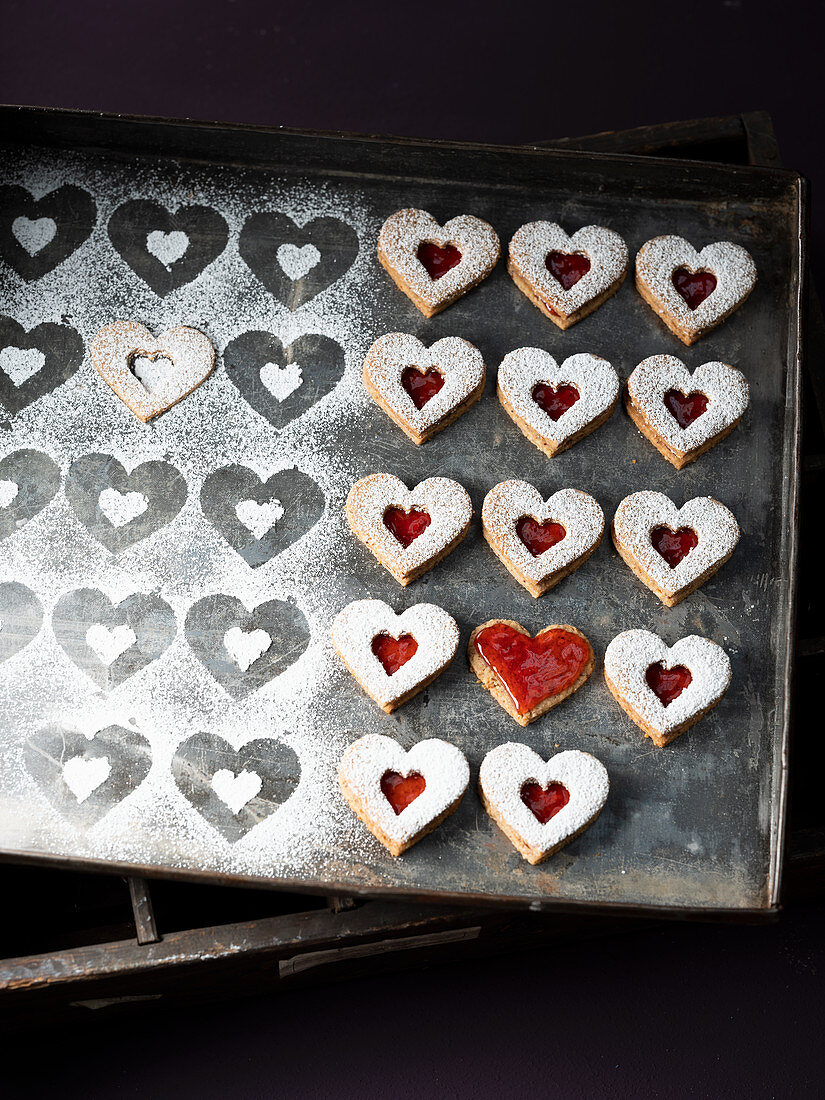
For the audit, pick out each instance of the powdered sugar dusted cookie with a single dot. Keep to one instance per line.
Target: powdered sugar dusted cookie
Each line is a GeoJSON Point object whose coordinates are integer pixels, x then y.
{"type": "Point", "coordinates": [529, 676]}
{"type": "Point", "coordinates": [555, 406]}
{"type": "Point", "coordinates": [692, 291]}
{"type": "Point", "coordinates": [408, 530]}
{"type": "Point", "coordinates": [567, 277]}
{"type": "Point", "coordinates": [401, 796]}
{"type": "Point", "coordinates": [151, 374]}
{"type": "Point", "coordinates": [541, 806]}
{"type": "Point", "coordinates": [433, 264]}
{"type": "Point", "coordinates": [394, 656]}
{"type": "Point", "coordinates": [423, 389]}
{"type": "Point", "coordinates": [673, 550]}
{"type": "Point", "coordinates": [540, 541]}
{"type": "Point", "coordinates": [665, 689]}
{"type": "Point", "coordinates": [683, 414]}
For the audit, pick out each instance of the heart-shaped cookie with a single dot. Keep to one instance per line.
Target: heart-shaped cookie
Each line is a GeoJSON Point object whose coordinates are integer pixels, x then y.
{"type": "Point", "coordinates": [393, 657]}
{"type": "Point", "coordinates": [540, 541]}
{"type": "Point", "coordinates": [673, 550]}
{"type": "Point", "coordinates": [665, 689]}
{"type": "Point", "coordinates": [529, 675]}
{"type": "Point", "coordinates": [423, 389]}
{"type": "Point", "coordinates": [408, 530]}
{"type": "Point", "coordinates": [683, 414]}
{"type": "Point", "coordinates": [541, 806]}
{"type": "Point", "coordinates": [125, 353]}
{"type": "Point", "coordinates": [567, 277]}
{"type": "Point", "coordinates": [433, 264]}
{"type": "Point", "coordinates": [692, 291]}
{"type": "Point", "coordinates": [555, 406]}
{"type": "Point", "coordinates": [401, 796]}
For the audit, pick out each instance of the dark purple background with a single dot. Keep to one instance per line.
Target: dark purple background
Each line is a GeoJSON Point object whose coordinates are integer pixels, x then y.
{"type": "Point", "coordinates": [687, 1010]}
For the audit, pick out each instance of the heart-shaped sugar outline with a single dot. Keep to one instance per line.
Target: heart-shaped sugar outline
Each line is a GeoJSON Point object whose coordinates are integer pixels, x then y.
{"type": "Point", "coordinates": [398, 243]}
{"type": "Point", "coordinates": [630, 655]}
{"type": "Point", "coordinates": [660, 257]}
{"type": "Point", "coordinates": [32, 480]}
{"type": "Point", "coordinates": [190, 353]}
{"type": "Point", "coordinates": [445, 501]}
{"type": "Point", "coordinates": [529, 248]}
{"type": "Point", "coordinates": [458, 362]}
{"type": "Point", "coordinates": [725, 387]}
{"type": "Point", "coordinates": [61, 348]}
{"type": "Point", "coordinates": [26, 244]}
{"type": "Point", "coordinates": [360, 622]}
{"type": "Point", "coordinates": [364, 764]}
{"type": "Point", "coordinates": [578, 513]}
{"type": "Point", "coordinates": [594, 378]}
{"type": "Point", "coordinates": [21, 616]}
{"type": "Point", "coordinates": [715, 526]}
{"type": "Point", "coordinates": [506, 769]}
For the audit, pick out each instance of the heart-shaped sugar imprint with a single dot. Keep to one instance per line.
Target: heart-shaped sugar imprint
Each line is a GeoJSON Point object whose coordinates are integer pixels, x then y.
{"type": "Point", "coordinates": [423, 389]}
{"type": "Point", "coordinates": [540, 541]}
{"type": "Point", "coordinates": [684, 414]}
{"type": "Point", "coordinates": [567, 277]}
{"type": "Point", "coordinates": [34, 235]}
{"type": "Point", "coordinates": [433, 264]}
{"type": "Point", "coordinates": [36, 362]}
{"type": "Point", "coordinates": [554, 405]}
{"type": "Point", "coordinates": [393, 657]}
{"type": "Point", "coordinates": [28, 481]}
{"type": "Point", "coordinates": [117, 347]}
{"type": "Point", "coordinates": [541, 806]}
{"type": "Point", "coordinates": [408, 530]}
{"type": "Point", "coordinates": [692, 291]}
{"type": "Point", "coordinates": [110, 642]}
{"type": "Point", "coordinates": [21, 616]}
{"type": "Point", "coordinates": [296, 262]}
{"type": "Point", "coordinates": [167, 247]}
{"type": "Point", "coordinates": [665, 690]}
{"type": "Point", "coordinates": [401, 796]}
{"type": "Point", "coordinates": [673, 550]}
{"type": "Point", "coordinates": [38, 234]}
{"type": "Point", "coordinates": [529, 675]}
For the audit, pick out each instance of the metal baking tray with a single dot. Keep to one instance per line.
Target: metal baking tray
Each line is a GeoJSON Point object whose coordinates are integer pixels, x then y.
{"type": "Point", "coordinates": [695, 828]}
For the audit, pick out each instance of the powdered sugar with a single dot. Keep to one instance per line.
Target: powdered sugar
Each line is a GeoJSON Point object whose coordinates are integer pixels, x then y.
{"type": "Point", "coordinates": [34, 235]}
{"type": "Point", "coordinates": [21, 363]}
{"type": "Point", "coordinates": [245, 647]}
{"type": "Point", "coordinates": [297, 262]}
{"type": "Point", "coordinates": [8, 492]}
{"type": "Point", "coordinates": [630, 655]}
{"type": "Point", "coordinates": [121, 508]}
{"type": "Point", "coordinates": [167, 247]}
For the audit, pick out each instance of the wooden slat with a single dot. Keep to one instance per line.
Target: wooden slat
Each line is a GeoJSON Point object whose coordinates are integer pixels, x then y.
{"type": "Point", "coordinates": [143, 910]}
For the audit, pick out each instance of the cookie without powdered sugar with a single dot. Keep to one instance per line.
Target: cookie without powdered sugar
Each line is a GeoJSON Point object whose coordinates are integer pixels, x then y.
{"type": "Point", "coordinates": [435, 265]}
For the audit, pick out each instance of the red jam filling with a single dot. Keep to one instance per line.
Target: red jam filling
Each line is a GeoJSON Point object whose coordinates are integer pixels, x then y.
{"type": "Point", "coordinates": [667, 683]}
{"type": "Point", "coordinates": [393, 652]}
{"type": "Point", "coordinates": [538, 537]}
{"type": "Point", "coordinates": [401, 790]}
{"type": "Point", "coordinates": [533, 669]}
{"type": "Point", "coordinates": [555, 402]}
{"type": "Point", "coordinates": [421, 385]}
{"type": "Point", "coordinates": [544, 802]}
{"type": "Point", "coordinates": [567, 267]}
{"type": "Point", "coordinates": [686, 407]}
{"type": "Point", "coordinates": [406, 526]}
{"type": "Point", "coordinates": [694, 286]}
{"type": "Point", "coordinates": [673, 545]}
{"type": "Point", "coordinates": [437, 260]}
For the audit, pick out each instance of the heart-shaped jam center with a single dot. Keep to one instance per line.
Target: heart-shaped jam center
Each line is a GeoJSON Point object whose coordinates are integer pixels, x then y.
{"type": "Point", "coordinates": [694, 286]}
{"type": "Point", "coordinates": [555, 402]}
{"type": "Point", "coordinates": [673, 545]}
{"type": "Point", "coordinates": [421, 385]}
{"type": "Point", "coordinates": [401, 790]}
{"type": "Point", "coordinates": [667, 683]}
{"type": "Point", "coordinates": [538, 537]}
{"type": "Point", "coordinates": [406, 526]}
{"type": "Point", "coordinates": [394, 652]}
{"type": "Point", "coordinates": [437, 260]}
{"type": "Point", "coordinates": [567, 267]}
{"type": "Point", "coordinates": [544, 802]}
{"type": "Point", "coordinates": [686, 407]}
{"type": "Point", "coordinates": [533, 669]}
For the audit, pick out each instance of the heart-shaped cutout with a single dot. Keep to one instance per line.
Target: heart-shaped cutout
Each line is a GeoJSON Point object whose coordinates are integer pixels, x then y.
{"type": "Point", "coordinates": [685, 407]}
{"type": "Point", "coordinates": [401, 796]}
{"type": "Point", "coordinates": [408, 530]}
{"type": "Point", "coordinates": [529, 675]}
{"type": "Point", "coordinates": [555, 401]}
{"type": "Point", "coordinates": [694, 286]}
{"type": "Point", "coordinates": [665, 690]}
{"type": "Point", "coordinates": [423, 389]}
{"type": "Point", "coordinates": [567, 267]}
{"type": "Point", "coordinates": [36, 362]}
{"type": "Point", "coordinates": [38, 234]}
{"type": "Point", "coordinates": [435, 265]}
{"type": "Point", "coordinates": [541, 806]}
{"type": "Point", "coordinates": [393, 657]}
{"type": "Point", "coordinates": [650, 532]}
{"type": "Point", "coordinates": [539, 537]}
